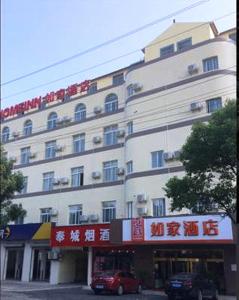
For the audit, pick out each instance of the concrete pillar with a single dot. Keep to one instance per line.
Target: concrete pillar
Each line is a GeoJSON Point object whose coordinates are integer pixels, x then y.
{"type": "Point", "coordinates": [54, 273]}
{"type": "Point", "coordinates": [26, 265]}
{"type": "Point", "coordinates": [89, 266]}
{"type": "Point", "coordinates": [3, 261]}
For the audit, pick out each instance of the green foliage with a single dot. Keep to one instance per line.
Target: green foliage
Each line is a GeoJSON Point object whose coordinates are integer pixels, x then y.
{"type": "Point", "coordinates": [210, 160]}
{"type": "Point", "coordinates": [9, 184]}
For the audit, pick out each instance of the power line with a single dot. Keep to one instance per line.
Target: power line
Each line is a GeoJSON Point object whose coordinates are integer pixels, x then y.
{"type": "Point", "coordinates": [106, 43]}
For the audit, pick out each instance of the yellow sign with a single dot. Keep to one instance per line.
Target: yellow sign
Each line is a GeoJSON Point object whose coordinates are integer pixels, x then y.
{"type": "Point", "coordinates": [43, 233]}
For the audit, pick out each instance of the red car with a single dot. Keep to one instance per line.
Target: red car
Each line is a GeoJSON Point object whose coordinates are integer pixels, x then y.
{"type": "Point", "coordinates": [116, 282]}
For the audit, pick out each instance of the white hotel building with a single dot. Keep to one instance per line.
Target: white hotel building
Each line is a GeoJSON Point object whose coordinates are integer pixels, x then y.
{"type": "Point", "coordinates": [107, 152]}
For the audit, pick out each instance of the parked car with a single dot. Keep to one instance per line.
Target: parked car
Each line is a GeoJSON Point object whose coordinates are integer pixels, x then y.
{"type": "Point", "coordinates": [116, 282]}
{"type": "Point", "coordinates": [190, 286]}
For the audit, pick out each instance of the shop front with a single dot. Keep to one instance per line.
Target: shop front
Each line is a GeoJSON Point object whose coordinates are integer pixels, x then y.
{"type": "Point", "coordinates": [169, 245]}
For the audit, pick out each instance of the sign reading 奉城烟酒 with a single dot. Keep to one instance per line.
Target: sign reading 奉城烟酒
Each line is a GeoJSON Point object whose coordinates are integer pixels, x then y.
{"type": "Point", "coordinates": [50, 97]}
{"type": "Point", "coordinates": [188, 229]}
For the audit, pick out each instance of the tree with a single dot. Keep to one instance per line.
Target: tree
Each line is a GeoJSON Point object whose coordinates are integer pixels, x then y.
{"type": "Point", "coordinates": [209, 157]}
{"type": "Point", "coordinates": [9, 184]}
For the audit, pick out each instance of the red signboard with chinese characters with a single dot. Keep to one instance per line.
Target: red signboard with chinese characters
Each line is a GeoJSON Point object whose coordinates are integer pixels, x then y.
{"type": "Point", "coordinates": [94, 235]}
{"type": "Point", "coordinates": [137, 229]}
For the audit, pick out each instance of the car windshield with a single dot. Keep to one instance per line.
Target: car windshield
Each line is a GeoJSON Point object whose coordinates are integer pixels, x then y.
{"type": "Point", "coordinates": [106, 274]}
{"type": "Point", "coordinates": [183, 276]}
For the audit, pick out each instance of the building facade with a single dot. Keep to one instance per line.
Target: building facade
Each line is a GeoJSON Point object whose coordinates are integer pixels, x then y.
{"type": "Point", "coordinates": [104, 149]}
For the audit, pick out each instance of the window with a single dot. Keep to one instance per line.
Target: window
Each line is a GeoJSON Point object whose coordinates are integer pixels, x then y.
{"type": "Point", "coordinates": [159, 207]}
{"type": "Point", "coordinates": [184, 44]}
{"type": "Point", "coordinates": [110, 171]}
{"type": "Point", "coordinates": [130, 209]}
{"type": "Point", "coordinates": [51, 123]}
{"type": "Point", "coordinates": [5, 134]}
{"type": "Point", "coordinates": [92, 89]}
{"type": "Point", "coordinates": [27, 129]}
{"type": "Point", "coordinates": [110, 135]}
{"type": "Point", "coordinates": [130, 90]}
{"type": "Point", "coordinates": [157, 159]}
{"type": "Point", "coordinates": [233, 36]}
{"type": "Point", "coordinates": [109, 211]}
{"type": "Point", "coordinates": [25, 155]}
{"type": "Point", "coordinates": [130, 127]}
{"type": "Point", "coordinates": [77, 176]}
{"type": "Point", "coordinates": [111, 103]}
{"type": "Point", "coordinates": [50, 149]}
{"type": "Point", "coordinates": [210, 64]}
{"type": "Point", "coordinates": [45, 215]}
{"type": "Point", "coordinates": [165, 51]}
{"type": "Point", "coordinates": [75, 211]}
{"type": "Point", "coordinates": [24, 189]}
{"type": "Point", "coordinates": [80, 112]}
{"type": "Point", "coordinates": [19, 220]}
{"type": "Point", "coordinates": [118, 79]}
{"type": "Point", "coordinates": [129, 166]}
{"type": "Point", "coordinates": [48, 179]}
{"type": "Point", "coordinates": [214, 104]}
{"type": "Point", "coordinates": [78, 143]}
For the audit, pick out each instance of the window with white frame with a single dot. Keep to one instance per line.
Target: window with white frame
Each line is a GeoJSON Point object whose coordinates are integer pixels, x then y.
{"type": "Point", "coordinates": [45, 215]}
{"type": "Point", "coordinates": [210, 64]}
{"type": "Point", "coordinates": [5, 134]}
{"type": "Point", "coordinates": [129, 167]}
{"type": "Point", "coordinates": [50, 149]}
{"type": "Point", "coordinates": [27, 129]}
{"type": "Point", "coordinates": [214, 104]}
{"type": "Point", "coordinates": [92, 88]}
{"type": "Point", "coordinates": [51, 122]}
{"type": "Point", "coordinates": [80, 112]}
{"type": "Point", "coordinates": [130, 209]}
{"type": "Point", "coordinates": [130, 129]}
{"type": "Point", "coordinates": [48, 179]}
{"type": "Point", "coordinates": [157, 159]}
{"type": "Point", "coordinates": [24, 189]}
{"type": "Point", "coordinates": [75, 211]}
{"type": "Point", "coordinates": [79, 143]}
{"type": "Point", "coordinates": [19, 220]}
{"type": "Point", "coordinates": [111, 103]}
{"type": "Point", "coordinates": [118, 79]}
{"type": "Point", "coordinates": [108, 211]}
{"type": "Point", "coordinates": [167, 50]}
{"type": "Point", "coordinates": [158, 207]}
{"type": "Point", "coordinates": [184, 44]}
{"type": "Point", "coordinates": [110, 135]}
{"type": "Point", "coordinates": [25, 155]}
{"type": "Point", "coordinates": [77, 176]}
{"type": "Point", "coordinates": [110, 169]}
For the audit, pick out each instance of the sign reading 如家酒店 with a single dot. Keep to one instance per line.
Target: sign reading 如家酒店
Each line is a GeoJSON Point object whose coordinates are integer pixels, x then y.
{"type": "Point", "coordinates": [49, 97]}
{"type": "Point", "coordinates": [80, 235]}
{"type": "Point", "coordinates": [187, 229]}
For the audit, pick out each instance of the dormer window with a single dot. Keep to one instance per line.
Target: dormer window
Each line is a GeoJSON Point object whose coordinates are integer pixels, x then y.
{"type": "Point", "coordinates": [166, 51]}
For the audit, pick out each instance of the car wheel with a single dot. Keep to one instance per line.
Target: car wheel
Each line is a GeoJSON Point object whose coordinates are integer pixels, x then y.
{"type": "Point", "coordinates": [139, 289]}
{"type": "Point", "coordinates": [215, 297]}
{"type": "Point", "coordinates": [97, 292]}
{"type": "Point", "coordinates": [120, 290]}
{"type": "Point", "coordinates": [199, 295]}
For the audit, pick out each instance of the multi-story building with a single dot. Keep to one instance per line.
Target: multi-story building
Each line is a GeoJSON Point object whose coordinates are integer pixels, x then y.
{"type": "Point", "coordinates": [105, 148]}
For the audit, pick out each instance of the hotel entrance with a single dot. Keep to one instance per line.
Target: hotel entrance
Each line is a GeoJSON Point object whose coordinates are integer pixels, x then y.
{"type": "Point", "coordinates": [170, 262]}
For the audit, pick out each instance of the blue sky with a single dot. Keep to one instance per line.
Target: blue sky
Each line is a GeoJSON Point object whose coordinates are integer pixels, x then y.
{"type": "Point", "coordinates": [35, 34]}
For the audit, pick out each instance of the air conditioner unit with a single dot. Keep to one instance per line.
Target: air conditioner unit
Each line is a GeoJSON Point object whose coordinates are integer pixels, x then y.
{"type": "Point", "coordinates": [59, 148]}
{"type": "Point", "coordinates": [13, 158]}
{"type": "Point", "coordinates": [84, 218]}
{"type": "Point", "coordinates": [192, 69]}
{"type": "Point", "coordinates": [137, 87]}
{"type": "Point", "coordinates": [176, 154]}
{"type": "Point", "coordinates": [142, 211]}
{"type": "Point", "coordinates": [141, 198]}
{"type": "Point", "coordinates": [97, 109]}
{"type": "Point", "coordinates": [53, 255]}
{"type": "Point", "coordinates": [15, 134]}
{"type": "Point", "coordinates": [194, 106]}
{"type": "Point", "coordinates": [120, 171]}
{"type": "Point", "coordinates": [168, 155]}
{"type": "Point", "coordinates": [59, 121]}
{"type": "Point", "coordinates": [121, 133]}
{"type": "Point", "coordinates": [97, 139]}
{"type": "Point", "coordinates": [32, 155]}
{"type": "Point", "coordinates": [64, 180]}
{"type": "Point", "coordinates": [54, 212]}
{"type": "Point", "coordinates": [96, 175]}
{"type": "Point", "coordinates": [56, 181]}
{"type": "Point", "coordinates": [94, 218]}
{"type": "Point", "coordinates": [66, 119]}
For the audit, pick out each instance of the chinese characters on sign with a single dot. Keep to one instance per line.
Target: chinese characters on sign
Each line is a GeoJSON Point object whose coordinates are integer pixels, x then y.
{"type": "Point", "coordinates": [82, 235]}
{"type": "Point", "coordinates": [62, 94]}
{"type": "Point", "coordinates": [137, 229]}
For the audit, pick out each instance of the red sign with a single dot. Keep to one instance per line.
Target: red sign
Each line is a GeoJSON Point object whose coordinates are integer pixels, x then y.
{"type": "Point", "coordinates": [50, 97]}
{"type": "Point", "coordinates": [137, 229]}
{"type": "Point", "coordinates": [94, 235]}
